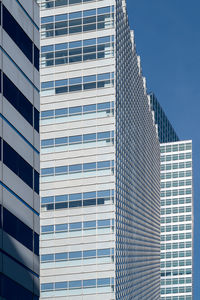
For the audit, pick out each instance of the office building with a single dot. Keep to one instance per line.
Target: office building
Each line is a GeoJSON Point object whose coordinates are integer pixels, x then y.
{"type": "Point", "coordinates": [176, 220]}
{"type": "Point", "coordinates": [176, 209]}
{"type": "Point", "coordinates": [19, 150]}
{"type": "Point", "coordinates": [100, 157]}
{"type": "Point", "coordinates": [166, 131]}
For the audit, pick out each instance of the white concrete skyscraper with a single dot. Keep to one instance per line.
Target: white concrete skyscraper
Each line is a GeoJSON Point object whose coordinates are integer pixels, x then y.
{"type": "Point", "coordinates": [176, 221]}
{"type": "Point", "coordinates": [176, 210]}
{"type": "Point", "coordinates": [100, 157]}
{"type": "Point", "coordinates": [19, 150]}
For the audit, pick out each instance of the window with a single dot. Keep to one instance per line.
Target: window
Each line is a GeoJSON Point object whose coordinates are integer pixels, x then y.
{"type": "Point", "coordinates": [82, 21]}
{"type": "Point", "coordinates": [19, 166]}
{"type": "Point", "coordinates": [61, 256]}
{"type": "Point", "coordinates": [10, 288]}
{"type": "Point", "coordinates": [20, 102]}
{"type": "Point", "coordinates": [75, 200]}
{"type": "Point", "coordinates": [48, 229]}
{"type": "Point", "coordinates": [21, 39]}
{"type": "Point", "coordinates": [47, 257]}
{"type": "Point", "coordinates": [77, 168]}
{"type": "Point", "coordinates": [82, 110]}
{"type": "Point", "coordinates": [47, 287]}
{"type": "Point", "coordinates": [57, 3]}
{"type": "Point", "coordinates": [61, 227]}
{"type": "Point", "coordinates": [20, 231]}
{"type": "Point", "coordinates": [76, 84]}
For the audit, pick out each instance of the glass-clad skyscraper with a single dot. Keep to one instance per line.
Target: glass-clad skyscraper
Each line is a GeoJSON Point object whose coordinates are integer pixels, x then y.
{"type": "Point", "coordinates": [100, 157]}
{"type": "Point", "coordinates": [19, 150]}
{"type": "Point", "coordinates": [166, 131]}
{"type": "Point", "coordinates": [176, 209]}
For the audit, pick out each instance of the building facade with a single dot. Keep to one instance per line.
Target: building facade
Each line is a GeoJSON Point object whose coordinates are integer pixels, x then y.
{"type": "Point", "coordinates": [19, 150]}
{"type": "Point", "coordinates": [100, 157]}
{"type": "Point", "coordinates": [176, 209]}
{"type": "Point", "coordinates": [176, 220]}
{"type": "Point", "coordinates": [166, 131]}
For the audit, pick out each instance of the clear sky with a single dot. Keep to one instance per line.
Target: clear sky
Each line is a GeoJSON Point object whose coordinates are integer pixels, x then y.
{"type": "Point", "coordinates": [167, 34]}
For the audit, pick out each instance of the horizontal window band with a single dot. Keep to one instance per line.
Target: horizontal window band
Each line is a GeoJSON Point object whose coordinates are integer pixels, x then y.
{"type": "Point", "coordinates": [78, 139]}
{"type": "Point", "coordinates": [68, 227]}
{"type": "Point", "coordinates": [57, 3]}
{"type": "Point", "coordinates": [78, 196]}
{"type": "Point", "coordinates": [77, 203]}
{"type": "Point", "coordinates": [77, 110]}
{"type": "Point", "coordinates": [83, 50]}
{"type": "Point", "coordinates": [19, 198]}
{"type": "Point", "coordinates": [77, 15]}
{"type": "Point", "coordinates": [81, 43]}
{"type": "Point", "coordinates": [77, 83]}
{"type": "Point", "coordinates": [69, 169]}
{"type": "Point", "coordinates": [1, 116]}
{"type": "Point", "coordinates": [18, 262]}
{"type": "Point", "coordinates": [78, 284]}
{"type": "Point", "coordinates": [86, 254]}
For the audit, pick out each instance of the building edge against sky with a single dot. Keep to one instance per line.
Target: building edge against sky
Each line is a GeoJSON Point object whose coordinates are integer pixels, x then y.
{"type": "Point", "coordinates": [176, 210]}
{"type": "Point", "coordinates": [19, 150]}
{"type": "Point", "coordinates": [100, 166]}
{"type": "Point", "coordinates": [137, 174]}
{"type": "Point", "coordinates": [166, 131]}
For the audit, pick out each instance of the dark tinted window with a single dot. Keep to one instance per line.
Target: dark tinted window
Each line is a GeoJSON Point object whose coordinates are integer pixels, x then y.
{"type": "Point", "coordinates": [0, 217]}
{"type": "Point", "coordinates": [0, 148]}
{"type": "Point", "coordinates": [20, 102]}
{"type": "Point", "coordinates": [36, 181]}
{"type": "Point", "coordinates": [36, 243]}
{"type": "Point", "coordinates": [17, 229]}
{"type": "Point", "coordinates": [18, 35]}
{"type": "Point", "coordinates": [17, 99]}
{"type": "Point", "coordinates": [36, 119]}
{"type": "Point", "coordinates": [17, 164]}
{"type": "Point", "coordinates": [36, 57]}
{"type": "Point", "coordinates": [10, 290]}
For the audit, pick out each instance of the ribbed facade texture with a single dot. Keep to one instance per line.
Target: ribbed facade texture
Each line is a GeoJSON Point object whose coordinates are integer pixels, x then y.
{"type": "Point", "coordinates": [176, 221]}
{"type": "Point", "coordinates": [19, 150]}
{"type": "Point", "coordinates": [100, 157]}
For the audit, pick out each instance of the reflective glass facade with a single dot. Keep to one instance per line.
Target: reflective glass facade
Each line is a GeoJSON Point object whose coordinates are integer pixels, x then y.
{"type": "Point", "coordinates": [165, 130]}
{"type": "Point", "coordinates": [19, 150]}
{"type": "Point", "coordinates": [100, 196]}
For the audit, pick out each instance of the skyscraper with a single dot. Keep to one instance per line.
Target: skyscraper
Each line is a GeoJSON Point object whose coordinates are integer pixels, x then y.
{"type": "Point", "coordinates": [100, 157]}
{"type": "Point", "coordinates": [166, 131]}
{"type": "Point", "coordinates": [19, 150]}
{"type": "Point", "coordinates": [176, 210]}
{"type": "Point", "coordinates": [176, 220]}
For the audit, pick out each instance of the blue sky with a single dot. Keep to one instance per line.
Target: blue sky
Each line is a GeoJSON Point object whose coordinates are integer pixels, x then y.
{"type": "Point", "coordinates": [167, 34]}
